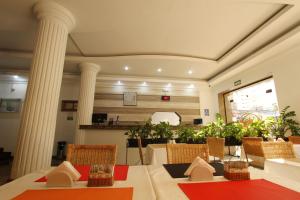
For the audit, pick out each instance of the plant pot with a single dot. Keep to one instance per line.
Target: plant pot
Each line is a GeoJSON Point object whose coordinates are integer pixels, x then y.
{"type": "Point", "coordinates": [132, 142]}
{"type": "Point", "coordinates": [294, 139]}
{"type": "Point", "coordinates": [160, 141]}
{"type": "Point", "coordinates": [146, 141]}
{"type": "Point", "coordinates": [232, 141]}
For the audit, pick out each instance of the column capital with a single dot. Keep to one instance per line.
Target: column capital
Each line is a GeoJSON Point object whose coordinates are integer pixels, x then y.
{"type": "Point", "coordinates": [51, 10]}
{"type": "Point", "coordinates": [86, 66]}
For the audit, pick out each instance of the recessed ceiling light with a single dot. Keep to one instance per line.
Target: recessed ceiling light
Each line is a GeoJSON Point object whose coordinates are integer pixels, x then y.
{"type": "Point", "coordinates": [16, 76]}
{"type": "Point", "coordinates": [159, 70]}
{"type": "Point", "coordinates": [191, 86]}
{"type": "Point", "coordinates": [144, 83]}
{"type": "Point", "coordinates": [126, 68]}
{"type": "Point", "coordinates": [119, 83]}
{"type": "Point", "coordinates": [190, 71]}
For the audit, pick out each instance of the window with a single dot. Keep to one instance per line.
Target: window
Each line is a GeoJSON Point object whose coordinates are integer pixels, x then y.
{"type": "Point", "coordinates": [257, 99]}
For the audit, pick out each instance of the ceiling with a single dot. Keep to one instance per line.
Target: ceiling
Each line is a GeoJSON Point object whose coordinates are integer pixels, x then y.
{"type": "Point", "coordinates": [204, 36]}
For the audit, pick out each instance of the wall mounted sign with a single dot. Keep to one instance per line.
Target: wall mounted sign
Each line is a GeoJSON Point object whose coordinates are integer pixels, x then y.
{"type": "Point", "coordinates": [206, 112]}
{"type": "Point", "coordinates": [129, 98]}
{"type": "Point", "coordinates": [69, 105]}
{"type": "Point", "coordinates": [236, 83]}
{"type": "Point", "coordinates": [10, 105]}
{"type": "Point", "coordinates": [165, 98]}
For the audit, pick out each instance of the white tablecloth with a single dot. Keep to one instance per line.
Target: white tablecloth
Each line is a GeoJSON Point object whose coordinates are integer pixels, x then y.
{"type": "Point", "coordinates": [156, 154]}
{"type": "Point", "coordinates": [138, 178]}
{"type": "Point", "coordinates": [285, 168]}
{"type": "Point", "coordinates": [166, 187]}
{"type": "Point", "coordinates": [297, 150]}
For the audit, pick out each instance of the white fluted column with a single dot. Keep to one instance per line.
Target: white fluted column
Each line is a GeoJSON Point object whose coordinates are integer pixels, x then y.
{"type": "Point", "coordinates": [86, 98]}
{"type": "Point", "coordinates": [38, 120]}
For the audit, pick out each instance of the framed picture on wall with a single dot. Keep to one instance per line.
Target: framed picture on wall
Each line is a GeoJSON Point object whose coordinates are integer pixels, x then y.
{"type": "Point", "coordinates": [129, 98]}
{"type": "Point", "coordinates": [10, 105]}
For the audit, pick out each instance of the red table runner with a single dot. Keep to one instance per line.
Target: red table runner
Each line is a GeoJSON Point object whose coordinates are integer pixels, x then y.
{"type": "Point", "coordinates": [120, 173]}
{"type": "Point", "coordinates": [238, 190]}
{"type": "Point", "coordinates": [77, 194]}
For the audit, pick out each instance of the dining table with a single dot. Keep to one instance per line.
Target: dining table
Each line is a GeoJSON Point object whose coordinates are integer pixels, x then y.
{"type": "Point", "coordinates": [167, 187]}
{"type": "Point", "coordinates": [156, 154]}
{"type": "Point", "coordinates": [138, 178]}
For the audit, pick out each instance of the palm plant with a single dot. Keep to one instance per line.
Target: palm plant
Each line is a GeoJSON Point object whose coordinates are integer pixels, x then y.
{"type": "Point", "coordinates": [285, 122]}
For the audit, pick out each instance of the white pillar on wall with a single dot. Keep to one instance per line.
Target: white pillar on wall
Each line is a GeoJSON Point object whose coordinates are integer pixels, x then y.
{"type": "Point", "coordinates": [86, 98]}
{"type": "Point", "coordinates": [38, 120]}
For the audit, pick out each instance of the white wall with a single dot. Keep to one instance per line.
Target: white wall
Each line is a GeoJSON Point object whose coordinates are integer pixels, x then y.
{"type": "Point", "coordinates": [9, 122]}
{"type": "Point", "coordinates": [65, 129]}
{"type": "Point", "coordinates": [286, 73]}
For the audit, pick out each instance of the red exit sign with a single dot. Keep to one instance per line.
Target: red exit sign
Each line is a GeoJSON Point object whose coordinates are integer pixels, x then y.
{"type": "Point", "coordinates": [165, 98]}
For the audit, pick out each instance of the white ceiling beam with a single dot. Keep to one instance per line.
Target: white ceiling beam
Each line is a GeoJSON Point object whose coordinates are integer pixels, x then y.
{"type": "Point", "coordinates": [289, 40]}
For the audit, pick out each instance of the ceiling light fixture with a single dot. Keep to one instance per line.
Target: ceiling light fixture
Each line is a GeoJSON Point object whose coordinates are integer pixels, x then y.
{"type": "Point", "coordinates": [126, 68]}
{"type": "Point", "coordinates": [119, 83]}
{"type": "Point", "coordinates": [191, 86]}
{"type": "Point", "coordinates": [190, 71]}
{"type": "Point", "coordinates": [169, 85]}
{"type": "Point", "coordinates": [15, 76]}
{"type": "Point", "coordinates": [144, 83]}
{"type": "Point", "coordinates": [159, 70]}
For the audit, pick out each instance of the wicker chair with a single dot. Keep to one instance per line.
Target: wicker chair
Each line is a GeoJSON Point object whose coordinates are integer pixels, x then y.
{"type": "Point", "coordinates": [91, 154]}
{"type": "Point", "coordinates": [186, 153]}
{"type": "Point", "coordinates": [278, 150]}
{"type": "Point", "coordinates": [294, 139]}
{"type": "Point", "coordinates": [216, 147]}
{"type": "Point", "coordinates": [252, 146]}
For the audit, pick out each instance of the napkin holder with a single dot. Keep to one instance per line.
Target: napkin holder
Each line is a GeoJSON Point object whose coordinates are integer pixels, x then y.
{"type": "Point", "coordinates": [200, 170]}
{"type": "Point", "coordinates": [63, 176]}
{"type": "Point", "coordinates": [200, 173]}
{"type": "Point", "coordinates": [59, 179]}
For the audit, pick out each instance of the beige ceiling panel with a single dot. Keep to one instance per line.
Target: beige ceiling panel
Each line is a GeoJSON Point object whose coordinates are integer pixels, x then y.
{"type": "Point", "coordinates": [199, 28]}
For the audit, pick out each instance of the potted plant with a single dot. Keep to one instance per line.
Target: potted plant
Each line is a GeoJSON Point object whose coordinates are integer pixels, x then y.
{"type": "Point", "coordinates": [162, 132]}
{"type": "Point", "coordinates": [233, 133]}
{"type": "Point", "coordinates": [257, 128]}
{"type": "Point", "coordinates": [186, 134]}
{"type": "Point", "coordinates": [145, 133]}
{"type": "Point", "coordinates": [200, 136]}
{"type": "Point", "coordinates": [133, 133]}
{"type": "Point", "coordinates": [284, 124]}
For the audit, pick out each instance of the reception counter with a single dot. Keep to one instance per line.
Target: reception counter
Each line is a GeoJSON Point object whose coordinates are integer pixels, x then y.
{"type": "Point", "coordinates": [115, 134]}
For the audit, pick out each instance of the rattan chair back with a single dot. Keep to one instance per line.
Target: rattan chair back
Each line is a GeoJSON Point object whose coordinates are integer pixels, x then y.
{"type": "Point", "coordinates": [252, 146]}
{"type": "Point", "coordinates": [91, 154]}
{"type": "Point", "coordinates": [294, 139]}
{"type": "Point", "coordinates": [278, 150]}
{"type": "Point", "coordinates": [216, 146]}
{"type": "Point", "coordinates": [186, 153]}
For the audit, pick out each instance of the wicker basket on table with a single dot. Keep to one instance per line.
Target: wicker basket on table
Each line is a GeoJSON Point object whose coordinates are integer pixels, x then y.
{"type": "Point", "coordinates": [236, 170]}
{"type": "Point", "coordinates": [101, 175]}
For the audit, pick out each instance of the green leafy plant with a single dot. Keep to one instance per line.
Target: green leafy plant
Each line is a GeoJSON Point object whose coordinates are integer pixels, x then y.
{"type": "Point", "coordinates": [133, 132]}
{"type": "Point", "coordinates": [233, 129]}
{"type": "Point", "coordinates": [214, 129]}
{"type": "Point", "coordinates": [257, 128]}
{"type": "Point", "coordinates": [186, 134]}
{"type": "Point", "coordinates": [163, 130]}
{"type": "Point", "coordinates": [285, 122]}
{"type": "Point", "coordinates": [145, 130]}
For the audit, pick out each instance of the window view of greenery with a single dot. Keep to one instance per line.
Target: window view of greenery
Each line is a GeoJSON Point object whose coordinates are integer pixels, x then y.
{"type": "Point", "coordinates": [258, 99]}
